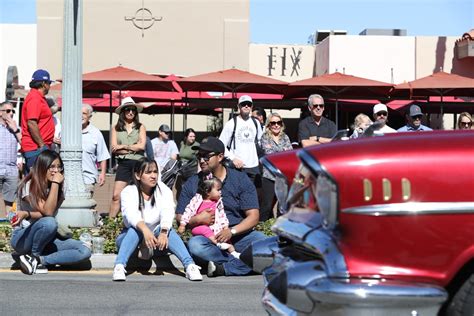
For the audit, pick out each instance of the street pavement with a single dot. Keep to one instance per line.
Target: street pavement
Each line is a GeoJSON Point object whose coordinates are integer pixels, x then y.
{"type": "Point", "coordinates": [159, 293]}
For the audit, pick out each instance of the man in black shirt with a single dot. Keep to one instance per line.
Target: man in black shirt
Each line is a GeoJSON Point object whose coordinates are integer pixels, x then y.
{"type": "Point", "coordinates": [315, 129]}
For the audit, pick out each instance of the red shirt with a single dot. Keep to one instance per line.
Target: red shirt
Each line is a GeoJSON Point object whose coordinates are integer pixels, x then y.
{"type": "Point", "coordinates": [36, 107]}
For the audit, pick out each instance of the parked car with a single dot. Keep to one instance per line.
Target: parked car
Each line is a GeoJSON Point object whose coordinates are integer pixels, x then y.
{"type": "Point", "coordinates": [374, 226]}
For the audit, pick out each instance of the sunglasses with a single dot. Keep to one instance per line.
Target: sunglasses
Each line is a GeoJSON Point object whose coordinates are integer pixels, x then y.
{"type": "Point", "coordinates": [467, 124]}
{"type": "Point", "coordinates": [205, 157]}
{"type": "Point", "coordinates": [318, 106]}
{"type": "Point", "coordinates": [245, 104]}
{"type": "Point", "coordinates": [9, 111]}
{"type": "Point", "coordinates": [417, 117]}
{"type": "Point", "coordinates": [279, 123]}
{"type": "Point", "coordinates": [382, 113]}
{"type": "Point", "coordinates": [130, 109]}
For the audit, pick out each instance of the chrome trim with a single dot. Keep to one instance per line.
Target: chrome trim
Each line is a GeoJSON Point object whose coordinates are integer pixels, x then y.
{"type": "Point", "coordinates": [321, 241]}
{"type": "Point", "coordinates": [273, 306]}
{"type": "Point", "coordinates": [278, 174]}
{"type": "Point", "coordinates": [413, 208]}
{"type": "Point", "coordinates": [295, 225]}
{"type": "Point", "coordinates": [406, 189]}
{"type": "Point", "coordinates": [367, 190]}
{"type": "Point", "coordinates": [396, 298]}
{"type": "Point", "coordinates": [262, 253]}
{"type": "Point", "coordinates": [387, 189]}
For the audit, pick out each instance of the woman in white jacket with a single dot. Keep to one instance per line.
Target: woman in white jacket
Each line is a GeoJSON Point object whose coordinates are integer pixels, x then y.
{"type": "Point", "coordinates": [148, 211]}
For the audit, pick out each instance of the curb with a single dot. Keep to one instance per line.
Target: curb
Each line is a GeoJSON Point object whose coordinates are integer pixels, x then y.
{"type": "Point", "coordinates": [106, 262]}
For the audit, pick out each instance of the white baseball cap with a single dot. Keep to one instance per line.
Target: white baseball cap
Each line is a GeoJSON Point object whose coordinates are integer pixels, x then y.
{"type": "Point", "coordinates": [245, 98]}
{"type": "Point", "coordinates": [380, 107]}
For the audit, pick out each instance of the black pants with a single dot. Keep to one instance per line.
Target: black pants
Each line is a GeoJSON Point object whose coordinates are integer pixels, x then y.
{"type": "Point", "coordinates": [267, 199]}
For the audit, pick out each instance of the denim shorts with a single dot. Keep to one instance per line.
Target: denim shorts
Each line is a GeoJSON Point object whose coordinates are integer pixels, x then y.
{"type": "Point", "coordinates": [125, 170]}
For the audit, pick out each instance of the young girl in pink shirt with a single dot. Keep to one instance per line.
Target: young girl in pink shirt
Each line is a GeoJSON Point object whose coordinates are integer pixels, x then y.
{"type": "Point", "coordinates": [208, 197]}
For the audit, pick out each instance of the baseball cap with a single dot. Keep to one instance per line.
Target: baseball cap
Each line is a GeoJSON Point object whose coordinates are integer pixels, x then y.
{"type": "Point", "coordinates": [165, 128]}
{"type": "Point", "coordinates": [245, 98]}
{"type": "Point", "coordinates": [415, 110]}
{"type": "Point", "coordinates": [41, 75]}
{"type": "Point", "coordinates": [380, 107]}
{"type": "Point", "coordinates": [211, 144]}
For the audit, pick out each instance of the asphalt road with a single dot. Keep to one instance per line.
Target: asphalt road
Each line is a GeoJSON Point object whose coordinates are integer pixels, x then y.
{"type": "Point", "coordinates": [93, 293]}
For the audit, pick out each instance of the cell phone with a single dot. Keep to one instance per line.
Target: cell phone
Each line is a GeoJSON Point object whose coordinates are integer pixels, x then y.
{"type": "Point", "coordinates": [13, 219]}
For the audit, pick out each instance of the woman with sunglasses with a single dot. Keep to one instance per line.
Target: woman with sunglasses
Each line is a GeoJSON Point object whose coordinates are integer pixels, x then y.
{"type": "Point", "coordinates": [465, 121]}
{"type": "Point", "coordinates": [35, 230]}
{"type": "Point", "coordinates": [273, 140]}
{"type": "Point", "coordinates": [128, 146]}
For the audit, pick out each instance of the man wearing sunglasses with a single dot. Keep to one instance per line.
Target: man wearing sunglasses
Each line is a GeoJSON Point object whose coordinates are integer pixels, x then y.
{"type": "Point", "coordinates": [10, 136]}
{"type": "Point", "coordinates": [414, 116]}
{"type": "Point", "coordinates": [316, 129]}
{"type": "Point", "coordinates": [240, 204]}
{"type": "Point", "coordinates": [381, 116]}
{"type": "Point", "coordinates": [241, 135]}
{"type": "Point", "coordinates": [37, 122]}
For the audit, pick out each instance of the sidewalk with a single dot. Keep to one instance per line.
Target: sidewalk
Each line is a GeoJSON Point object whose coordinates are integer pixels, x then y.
{"type": "Point", "coordinates": [106, 262]}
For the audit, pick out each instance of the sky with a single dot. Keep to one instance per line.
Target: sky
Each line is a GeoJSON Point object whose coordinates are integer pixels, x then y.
{"type": "Point", "coordinates": [293, 21]}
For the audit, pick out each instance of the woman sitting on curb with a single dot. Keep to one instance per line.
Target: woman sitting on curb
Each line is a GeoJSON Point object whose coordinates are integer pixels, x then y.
{"type": "Point", "coordinates": [148, 211]}
{"type": "Point", "coordinates": [35, 230]}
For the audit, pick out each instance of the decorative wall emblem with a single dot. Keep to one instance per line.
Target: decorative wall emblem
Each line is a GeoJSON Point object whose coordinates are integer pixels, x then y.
{"type": "Point", "coordinates": [278, 58]}
{"type": "Point", "coordinates": [143, 18]}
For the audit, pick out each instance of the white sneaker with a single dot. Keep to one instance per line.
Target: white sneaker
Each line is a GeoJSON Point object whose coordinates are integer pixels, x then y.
{"type": "Point", "coordinates": [119, 273]}
{"type": "Point", "coordinates": [193, 273]}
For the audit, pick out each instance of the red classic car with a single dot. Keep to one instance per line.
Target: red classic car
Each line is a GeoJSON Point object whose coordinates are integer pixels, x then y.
{"type": "Point", "coordinates": [374, 226]}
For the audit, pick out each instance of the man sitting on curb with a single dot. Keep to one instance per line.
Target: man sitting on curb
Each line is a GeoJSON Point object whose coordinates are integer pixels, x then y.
{"type": "Point", "coordinates": [240, 205]}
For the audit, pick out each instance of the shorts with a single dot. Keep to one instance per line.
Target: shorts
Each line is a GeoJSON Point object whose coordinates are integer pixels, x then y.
{"type": "Point", "coordinates": [125, 170]}
{"type": "Point", "coordinates": [9, 185]}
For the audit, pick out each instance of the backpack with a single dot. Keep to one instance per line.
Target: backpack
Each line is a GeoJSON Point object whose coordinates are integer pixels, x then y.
{"type": "Point", "coordinates": [260, 152]}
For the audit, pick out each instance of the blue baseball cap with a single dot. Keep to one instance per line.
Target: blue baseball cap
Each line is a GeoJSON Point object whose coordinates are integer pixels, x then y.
{"type": "Point", "coordinates": [41, 75]}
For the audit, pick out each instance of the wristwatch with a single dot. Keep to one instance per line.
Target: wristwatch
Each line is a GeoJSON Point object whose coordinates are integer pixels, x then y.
{"type": "Point", "coordinates": [233, 231]}
{"type": "Point", "coordinates": [17, 131]}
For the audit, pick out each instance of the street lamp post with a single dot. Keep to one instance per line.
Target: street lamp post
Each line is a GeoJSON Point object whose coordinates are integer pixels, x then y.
{"type": "Point", "coordinates": [77, 208]}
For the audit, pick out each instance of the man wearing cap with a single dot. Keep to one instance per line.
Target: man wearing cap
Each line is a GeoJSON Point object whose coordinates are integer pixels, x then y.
{"type": "Point", "coordinates": [164, 148]}
{"type": "Point", "coordinates": [10, 136]}
{"type": "Point", "coordinates": [241, 136]}
{"type": "Point", "coordinates": [37, 123]}
{"type": "Point", "coordinates": [316, 129]}
{"type": "Point", "coordinates": [241, 207]}
{"type": "Point", "coordinates": [94, 151]}
{"type": "Point", "coordinates": [414, 116]}
{"type": "Point", "coordinates": [381, 117]}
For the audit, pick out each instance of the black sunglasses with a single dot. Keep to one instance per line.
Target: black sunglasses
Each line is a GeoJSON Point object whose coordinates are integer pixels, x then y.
{"type": "Point", "coordinates": [417, 117]}
{"type": "Point", "coordinates": [381, 113]}
{"type": "Point", "coordinates": [245, 104]}
{"type": "Point", "coordinates": [280, 123]}
{"type": "Point", "coordinates": [466, 123]}
{"type": "Point", "coordinates": [133, 109]}
{"type": "Point", "coordinates": [205, 157]}
{"type": "Point", "coordinates": [9, 111]}
{"type": "Point", "coordinates": [318, 106]}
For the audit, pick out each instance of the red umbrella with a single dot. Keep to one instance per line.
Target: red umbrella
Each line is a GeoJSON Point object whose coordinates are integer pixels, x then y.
{"type": "Point", "coordinates": [438, 84]}
{"type": "Point", "coordinates": [232, 80]}
{"type": "Point", "coordinates": [121, 78]}
{"type": "Point", "coordinates": [338, 85]}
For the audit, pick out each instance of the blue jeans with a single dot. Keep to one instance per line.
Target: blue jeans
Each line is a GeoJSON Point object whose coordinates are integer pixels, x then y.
{"type": "Point", "coordinates": [30, 158]}
{"type": "Point", "coordinates": [130, 238]}
{"type": "Point", "coordinates": [202, 248]}
{"type": "Point", "coordinates": [39, 239]}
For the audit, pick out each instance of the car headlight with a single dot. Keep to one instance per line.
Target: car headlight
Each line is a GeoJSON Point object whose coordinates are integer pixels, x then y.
{"type": "Point", "coordinates": [325, 191]}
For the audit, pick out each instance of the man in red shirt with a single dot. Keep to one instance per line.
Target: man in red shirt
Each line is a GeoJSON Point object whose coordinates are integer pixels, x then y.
{"type": "Point", "coordinates": [37, 123]}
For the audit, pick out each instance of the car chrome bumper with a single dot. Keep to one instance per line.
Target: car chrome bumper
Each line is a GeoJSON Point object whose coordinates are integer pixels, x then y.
{"type": "Point", "coordinates": [323, 286]}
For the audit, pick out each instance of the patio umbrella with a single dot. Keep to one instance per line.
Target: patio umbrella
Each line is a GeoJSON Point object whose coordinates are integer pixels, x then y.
{"type": "Point", "coordinates": [338, 85]}
{"type": "Point", "coordinates": [232, 80]}
{"type": "Point", "coordinates": [438, 84]}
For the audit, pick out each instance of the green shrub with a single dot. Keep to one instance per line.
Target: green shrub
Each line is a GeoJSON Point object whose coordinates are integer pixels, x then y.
{"type": "Point", "coordinates": [110, 229]}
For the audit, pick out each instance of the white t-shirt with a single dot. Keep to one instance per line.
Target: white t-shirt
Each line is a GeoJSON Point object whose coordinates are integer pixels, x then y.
{"type": "Point", "coordinates": [162, 213]}
{"type": "Point", "coordinates": [244, 141]}
{"type": "Point", "coordinates": [163, 151]}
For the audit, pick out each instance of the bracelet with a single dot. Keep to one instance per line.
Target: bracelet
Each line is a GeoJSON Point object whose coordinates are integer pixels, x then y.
{"type": "Point", "coordinates": [58, 183]}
